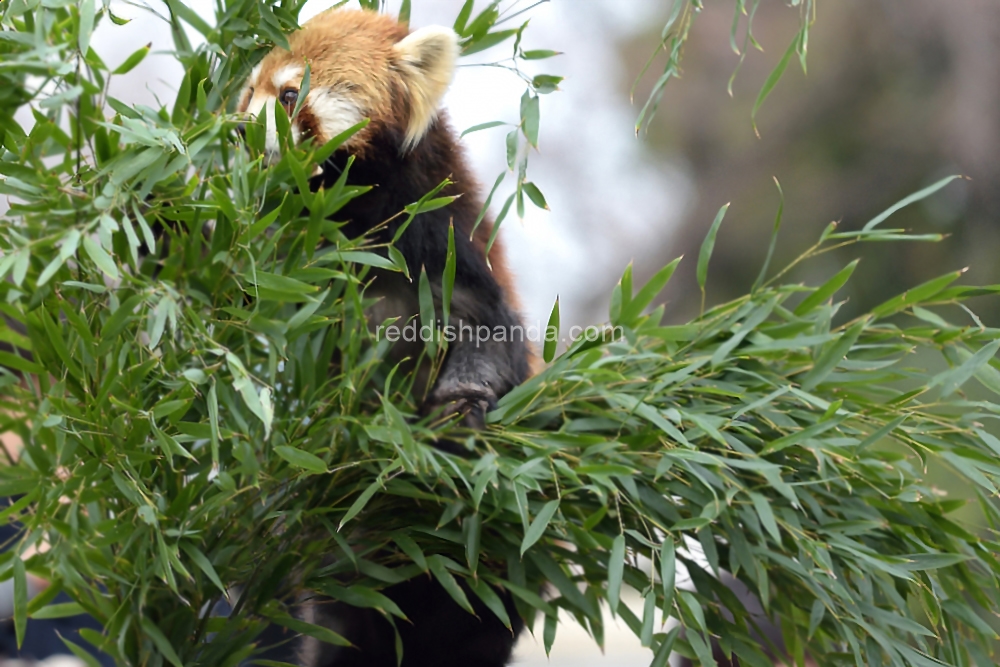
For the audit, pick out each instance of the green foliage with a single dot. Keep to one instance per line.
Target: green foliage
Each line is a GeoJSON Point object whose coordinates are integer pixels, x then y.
{"type": "Point", "coordinates": [220, 421]}
{"type": "Point", "coordinates": [478, 34]}
{"type": "Point", "coordinates": [677, 29]}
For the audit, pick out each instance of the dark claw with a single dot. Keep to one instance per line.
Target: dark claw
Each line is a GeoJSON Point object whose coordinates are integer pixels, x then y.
{"type": "Point", "coordinates": [472, 406]}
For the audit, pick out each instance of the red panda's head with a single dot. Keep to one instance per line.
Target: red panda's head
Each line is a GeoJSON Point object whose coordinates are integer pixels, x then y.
{"type": "Point", "coordinates": [362, 65]}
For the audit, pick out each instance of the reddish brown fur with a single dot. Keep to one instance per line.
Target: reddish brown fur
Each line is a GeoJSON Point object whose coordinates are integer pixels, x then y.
{"type": "Point", "coordinates": [348, 51]}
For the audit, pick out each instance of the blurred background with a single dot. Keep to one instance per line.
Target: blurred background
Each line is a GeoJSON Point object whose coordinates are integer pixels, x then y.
{"type": "Point", "coordinates": [899, 93]}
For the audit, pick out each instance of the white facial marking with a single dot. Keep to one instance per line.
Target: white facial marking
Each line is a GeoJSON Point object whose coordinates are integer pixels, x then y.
{"type": "Point", "coordinates": [257, 101]}
{"type": "Point", "coordinates": [262, 101]}
{"type": "Point", "coordinates": [333, 111]}
{"type": "Point", "coordinates": [289, 76]}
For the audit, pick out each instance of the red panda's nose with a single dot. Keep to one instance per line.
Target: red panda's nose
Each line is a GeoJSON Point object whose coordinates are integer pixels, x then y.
{"type": "Point", "coordinates": [241, 129]}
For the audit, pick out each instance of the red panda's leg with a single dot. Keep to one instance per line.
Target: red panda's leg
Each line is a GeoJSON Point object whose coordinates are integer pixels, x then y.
{"type": "Point", "coordinates": [488, 356]}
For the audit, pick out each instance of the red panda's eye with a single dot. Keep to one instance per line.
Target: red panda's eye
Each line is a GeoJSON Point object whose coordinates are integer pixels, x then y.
{"type": "Point", "coordinates": [289, 96]}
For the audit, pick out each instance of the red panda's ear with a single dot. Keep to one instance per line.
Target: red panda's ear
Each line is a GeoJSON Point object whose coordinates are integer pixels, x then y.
{"type": "Point", "coordinates": [427, 60]}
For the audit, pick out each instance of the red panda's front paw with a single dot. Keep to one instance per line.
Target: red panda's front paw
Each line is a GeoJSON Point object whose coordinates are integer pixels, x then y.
{"type": "Point", "coordinates": [470, 401]}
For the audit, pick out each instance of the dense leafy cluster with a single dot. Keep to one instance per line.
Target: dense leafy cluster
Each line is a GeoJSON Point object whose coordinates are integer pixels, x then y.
{"type": "Point", "coordinates": [206, 417]}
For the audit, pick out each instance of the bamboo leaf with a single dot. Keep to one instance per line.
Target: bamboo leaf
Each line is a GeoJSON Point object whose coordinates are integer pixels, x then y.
{"type": "Point", "coordinates": [539, 54]}
{"type": "Point", "coordinates": [448, 277]}
{"type": "Point", "coordinates": [161, 642]}
{"type": "Point", "coordinates": [616, 570]}
{"type": "Point", "coordinates": [772, 81]}
{"type": "Point", "coordinates": [918, 294]}
{"type": "Point", "coordinates": [203, 564]}
{"type": "Point", "coordinates": [668, 572]}
{"type": "Point", "coordinates": [316, 631]}
{"type": "Point", "coordinates": [530, 117]}
{"type": "Point", "coordinates": [447, 581]}
{"type": "Point", "coordinates": [649, 292]}
{"type": "Point", "coordinates": [833, 355]}
{"type": "Point", "coordinates": [87, 15]}
{"type": "Point", "coordinates": [535, 195]}
{"type": "Point", "coordinates": [427, 313]}
{"type": "Point", "coordinates": [766, 515]}
{"type": "Point", "coordinates": [539, 525]}
{"type": "Point", "coordinates": [826, 290]}
{"type": "Point", "coordinates": [952, 379]}
{"type": "Point", "coordinates": [20, 600]}
{"type": "Point", "coordinates": [903, 203]}
{"type": "Point", "coordinates": [802, 435]}
{"type": "Point", "coordinates": [774, 238]}
{"type": "Point", "coordinates": [662, 656]}
{"type": "Point", "coordinates": [551, 334]}
{"type": "Point", "coordinates": [81, 653]}
{"type": "Point", "coordinates": [361, 501]}
{"type": "Point", "coordinates": [101, 258]}
{"type": "Point", "coordinates": [134, 59]}
{"type": "Point", "coordinates": [705, 254]}
{"type": "Point", "coordinates": [482, 126]}
{"type": "Point", "coordinates": [302, 459]}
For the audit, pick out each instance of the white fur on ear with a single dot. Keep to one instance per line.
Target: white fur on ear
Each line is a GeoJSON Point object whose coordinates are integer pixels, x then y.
{"type": "Point", "coordinates": [427, 57]}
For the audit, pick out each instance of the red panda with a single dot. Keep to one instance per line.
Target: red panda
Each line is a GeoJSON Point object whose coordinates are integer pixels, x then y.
{"type": "Point", "coordinates": [366, 65]}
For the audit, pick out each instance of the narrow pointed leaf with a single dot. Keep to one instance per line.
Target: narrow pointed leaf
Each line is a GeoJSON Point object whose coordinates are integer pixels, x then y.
{"type": "Point", "coordinates": [539, 524]}
{"type": "Point", "coordinates": [616, 570]}
{"type": "Point", "coordinates": [705, 254]}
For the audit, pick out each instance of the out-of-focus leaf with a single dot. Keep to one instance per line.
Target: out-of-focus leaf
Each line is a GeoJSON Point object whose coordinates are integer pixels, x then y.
{"type": "Point", "coordinates": [20, 600]}
{"type": "Point", "coordinates": [319, 632]}
{"type": "Point", "coordinates": [952, 379]}
{"type": "Point", "coordinates": [88, 11]}
{"type": "Point", "coordinates": [539, 54]}
{"type": "Point", "coordinates": [301, 459]}
{"type": "Point", "coordinates": [161, 642]}
{"type": "Point", "coordinates": [772, 81]}
{"type": "Point", "coordinates": [915, 197]}
{"type": "Point", "coordinates": [707, 246]}
{"type": "Point", "coordinates": [482, 126]}
{"type": "Point", "coordinates": [101, 258]}
{"type": "Point", "coordinates": [530, 118]}
{"type": "Point", "coordinates": [134, 59]}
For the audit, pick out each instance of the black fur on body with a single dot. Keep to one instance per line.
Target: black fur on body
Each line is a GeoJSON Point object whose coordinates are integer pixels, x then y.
{"type": "Point", "coordinates": [439, 634]}
{"type": "Point", "coordinates": [474, 375]}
